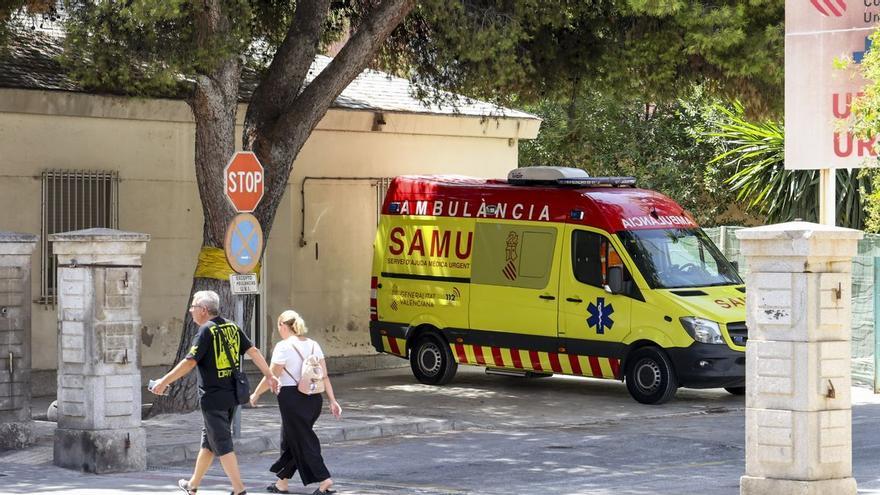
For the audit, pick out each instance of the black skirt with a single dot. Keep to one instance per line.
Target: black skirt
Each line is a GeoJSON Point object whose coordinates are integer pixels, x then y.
{"type": "Point", "coordinates": [300, 448]}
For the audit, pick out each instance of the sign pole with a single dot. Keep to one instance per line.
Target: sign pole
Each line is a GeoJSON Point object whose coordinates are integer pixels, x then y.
{"type": "Point", "coordinates": [244, 188]}
{"type": "Point", "coordinates": [239, 320]}
{"type": "Point", "coordinates": [828, 196]}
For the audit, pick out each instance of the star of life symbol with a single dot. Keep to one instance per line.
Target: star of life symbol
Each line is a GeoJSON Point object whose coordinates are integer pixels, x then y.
{"type": "Point", "coordinates": [509, 269]}
{"type": "Point", "coordinates": [600, 315]}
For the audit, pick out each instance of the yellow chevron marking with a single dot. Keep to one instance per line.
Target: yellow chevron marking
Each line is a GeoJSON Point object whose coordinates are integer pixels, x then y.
{"type": "Point", "coordinates": [566, 364]}
{"type": "Point", "coordinates": [606, 368]}
{"type": "Point", "coordinates": [586, 370]}
{"type": "Point", "coordinates": [544, 359]}
{"type": "Point", "coordinates": [507, 358]}
{"type": "Point", "coordinates": [469, 352]}
{"type": "Point", "coordinates": [525, 360]}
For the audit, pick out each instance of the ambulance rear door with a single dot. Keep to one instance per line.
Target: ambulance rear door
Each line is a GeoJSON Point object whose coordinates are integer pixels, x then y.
{"type": "Point", "coordinates": [593, 321]}
{"type": "Point", "coordinates": [515, 281]}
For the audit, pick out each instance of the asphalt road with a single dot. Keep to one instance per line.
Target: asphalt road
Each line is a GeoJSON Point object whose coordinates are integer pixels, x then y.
{"type": "Point", "coordinates": [547, 436]}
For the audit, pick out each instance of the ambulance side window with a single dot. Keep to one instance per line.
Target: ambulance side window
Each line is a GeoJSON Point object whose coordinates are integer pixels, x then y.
{"type": "Point", "coordinates": [585, 260]}
{"type": "Point", "coordinates": [592, 254]}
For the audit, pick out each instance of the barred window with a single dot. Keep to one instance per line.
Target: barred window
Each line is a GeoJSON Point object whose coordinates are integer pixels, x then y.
{"type": "Point", "coordinates": [73, 200]}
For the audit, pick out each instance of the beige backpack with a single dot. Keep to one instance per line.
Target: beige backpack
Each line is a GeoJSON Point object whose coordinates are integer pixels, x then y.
{"type": "Point", "coordinates": [312, 377]}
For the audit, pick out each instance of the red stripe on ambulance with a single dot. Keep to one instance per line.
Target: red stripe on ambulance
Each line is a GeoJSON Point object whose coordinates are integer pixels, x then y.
{"type": "Point", "coordinates": [392, 342]}
{"type": "Point", "coordinates": [496, 355]}
{"type": "Point", "coordinates": [554, 362]}
{"type": "Point", "coordinates": [517, 363]}
{"type": "Point", "coordinates": [575, 364]}
{"type": "Point", "coordinates": [462, 357]}
{"type": "Point", "coordinates": [536, 361]}
{"type": "Point", "coordinates": [478, 353]}
{"type": "Point", "coordinates": [594, 365]}
{"type": "Point", "coordinates": [615, 366]}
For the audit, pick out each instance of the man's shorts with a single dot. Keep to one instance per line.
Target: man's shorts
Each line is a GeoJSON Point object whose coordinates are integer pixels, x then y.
{"type": "Point", "coordinates": [217, 432]}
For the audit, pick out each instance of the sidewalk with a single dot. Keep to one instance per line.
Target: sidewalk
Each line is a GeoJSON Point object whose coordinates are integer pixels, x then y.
{"type": "Point", "coordinates": [173, 438]}
{"type": "Point", "coordinates": [391, 403]}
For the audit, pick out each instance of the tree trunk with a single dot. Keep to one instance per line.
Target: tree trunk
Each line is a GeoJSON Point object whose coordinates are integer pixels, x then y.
{"type": "Point", "coordinates": [214, 105]}
{"type": "Point", "coordinates": [278, 123]}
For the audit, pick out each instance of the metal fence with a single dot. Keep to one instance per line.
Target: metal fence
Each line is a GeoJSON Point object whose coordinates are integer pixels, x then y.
{"type": "Point", "coordinates": [864, 307]}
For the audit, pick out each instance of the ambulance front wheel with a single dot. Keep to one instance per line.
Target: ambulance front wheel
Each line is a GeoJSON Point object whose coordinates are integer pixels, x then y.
{"type": "Point", "coordinates": [650, 377]}
{"type": "Point", "coordinates": [431, 361]}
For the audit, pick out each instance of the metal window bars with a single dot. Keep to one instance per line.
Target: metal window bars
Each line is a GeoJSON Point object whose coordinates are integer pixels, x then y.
{"type": "Point", "coordinates": [73, 200]}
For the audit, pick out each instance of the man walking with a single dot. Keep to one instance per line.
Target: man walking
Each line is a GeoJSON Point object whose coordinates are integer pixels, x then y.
{"type": "Point", "coordinates": [209, 349]}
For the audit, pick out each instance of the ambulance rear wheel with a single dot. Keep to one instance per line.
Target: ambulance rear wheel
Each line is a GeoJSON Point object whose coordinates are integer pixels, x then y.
{"type": "Point", "coordinates": [650, 377]}
{"type": "Point", "coordinates": [431, 361]}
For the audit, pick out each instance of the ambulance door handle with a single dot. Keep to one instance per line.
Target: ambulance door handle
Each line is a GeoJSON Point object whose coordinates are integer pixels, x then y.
{"type": "Point", "coordinates": [574, 300]}
{"type": "Point", "coordinates": [547, 297]}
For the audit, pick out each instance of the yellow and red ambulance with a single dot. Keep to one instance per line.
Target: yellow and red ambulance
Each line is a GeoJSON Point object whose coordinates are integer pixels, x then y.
{"type": "Point", "coordinates": [553, 271]}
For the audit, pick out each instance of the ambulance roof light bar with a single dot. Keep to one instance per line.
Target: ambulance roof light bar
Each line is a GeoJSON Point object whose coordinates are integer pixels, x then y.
{"type": "Point", "coordinates": [563, 176]}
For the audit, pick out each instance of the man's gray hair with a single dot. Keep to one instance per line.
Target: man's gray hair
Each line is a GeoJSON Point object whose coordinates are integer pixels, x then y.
{"type": "Point", "coordinates": [209, 300]}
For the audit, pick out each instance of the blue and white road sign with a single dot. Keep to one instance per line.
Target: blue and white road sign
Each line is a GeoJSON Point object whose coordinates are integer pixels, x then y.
{"type": "Point", "coordinates": [244, 243]}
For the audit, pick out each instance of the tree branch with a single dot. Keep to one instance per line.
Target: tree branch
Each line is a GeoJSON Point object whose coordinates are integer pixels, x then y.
{"type": "Point", "coordinates": [290, 132]}
{"type": "Point", "coordinates": [279, 88]}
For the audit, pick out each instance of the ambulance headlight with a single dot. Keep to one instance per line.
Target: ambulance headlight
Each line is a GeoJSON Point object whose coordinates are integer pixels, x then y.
{"type": "Point", "coordinates": [702, 330]}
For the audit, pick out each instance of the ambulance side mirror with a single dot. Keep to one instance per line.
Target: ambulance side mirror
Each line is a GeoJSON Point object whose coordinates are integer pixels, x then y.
{"type": "Point", "coordinates": [735, 265]}
{"type": "Point", "coordinates": [615, 280]}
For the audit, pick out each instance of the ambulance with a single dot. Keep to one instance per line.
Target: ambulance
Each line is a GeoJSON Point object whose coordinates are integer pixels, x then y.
{"type": "Point", "coordinates": [554, 271]}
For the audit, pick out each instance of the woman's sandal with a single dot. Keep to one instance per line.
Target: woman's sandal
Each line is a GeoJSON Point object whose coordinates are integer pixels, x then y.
{"type": "Point", "coordinates": [184, 485]}
{"type": "Point", "coordinates": [273, 488]}
{"type": "Point", "coordinates": [318, 491]}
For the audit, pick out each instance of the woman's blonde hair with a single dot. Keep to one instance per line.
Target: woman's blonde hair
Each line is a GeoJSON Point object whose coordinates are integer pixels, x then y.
{"type": "Point", "coordinates": [292, 320]}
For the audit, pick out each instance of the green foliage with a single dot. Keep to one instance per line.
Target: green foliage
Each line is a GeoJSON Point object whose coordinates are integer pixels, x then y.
{"type": "Point", "coordinates": [754, 154]}
{"type": "Point", "coordinates": [646, 50]}
{"type": "Point", "coordinates": [660, 145]}
{"type": "Point", "coordinates": [865, 123]}
{"type": "Point", "coordinates": [149, 48]}
{"type": "Point", "coordinates": [866, 108]}
{"type": "Point", "coordinates": [499, 50]}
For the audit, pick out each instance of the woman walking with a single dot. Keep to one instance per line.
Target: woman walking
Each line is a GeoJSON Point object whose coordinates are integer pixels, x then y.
{"type": "Point", "coordinates": [300, 447]}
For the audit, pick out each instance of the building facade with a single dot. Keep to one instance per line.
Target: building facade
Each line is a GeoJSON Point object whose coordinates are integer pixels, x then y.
{"type": "Point", "coordinates": [71, 159]}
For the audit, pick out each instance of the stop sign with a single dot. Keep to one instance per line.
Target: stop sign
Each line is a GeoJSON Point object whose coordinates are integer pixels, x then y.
{"type": "Point", "coordinates": [243, 178]}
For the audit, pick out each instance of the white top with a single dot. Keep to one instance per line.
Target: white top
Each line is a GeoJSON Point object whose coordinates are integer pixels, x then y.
{"type": "Point", "coordinates": [285, 354]}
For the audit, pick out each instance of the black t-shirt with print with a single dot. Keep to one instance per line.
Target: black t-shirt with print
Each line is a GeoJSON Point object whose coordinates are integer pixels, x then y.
{"type": "Point", "coordinates": [216, 387]}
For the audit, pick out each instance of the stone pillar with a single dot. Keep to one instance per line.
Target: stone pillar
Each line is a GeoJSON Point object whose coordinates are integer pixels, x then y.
{"type": "Point", "coordinates": [99, 380]}
{"type": "Point", "coordinates": [16, 430]}
{"type": "Point", "coordinates": [798, 404]}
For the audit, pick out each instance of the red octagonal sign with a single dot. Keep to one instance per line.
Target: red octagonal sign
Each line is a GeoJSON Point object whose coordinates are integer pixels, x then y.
{"type": "Point", "coordinates": [244, 183]}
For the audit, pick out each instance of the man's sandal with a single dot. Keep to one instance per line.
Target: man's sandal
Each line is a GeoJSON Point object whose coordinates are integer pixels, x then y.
{"type": "Point", "coordinates": [184, 485]}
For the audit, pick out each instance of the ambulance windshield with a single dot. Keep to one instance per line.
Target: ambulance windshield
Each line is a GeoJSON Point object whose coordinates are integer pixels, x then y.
{"type": "Point", "coordinates": [675, 258]}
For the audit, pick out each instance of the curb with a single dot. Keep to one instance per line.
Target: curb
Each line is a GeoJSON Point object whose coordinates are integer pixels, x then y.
{"type": "Point", "coordinates": [251, 443]}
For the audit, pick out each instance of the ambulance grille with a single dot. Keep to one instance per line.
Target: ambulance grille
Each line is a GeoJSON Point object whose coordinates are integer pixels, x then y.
{"type": "Point", "coordinates": [738, 332]}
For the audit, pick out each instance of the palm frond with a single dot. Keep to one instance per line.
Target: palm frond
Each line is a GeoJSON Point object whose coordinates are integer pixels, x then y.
{"type": "Point", "coordinates": [755, 154]}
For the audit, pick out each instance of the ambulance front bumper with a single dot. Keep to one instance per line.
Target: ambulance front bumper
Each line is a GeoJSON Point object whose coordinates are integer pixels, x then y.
{"type": "Point", "coordinates": [708, 366]}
